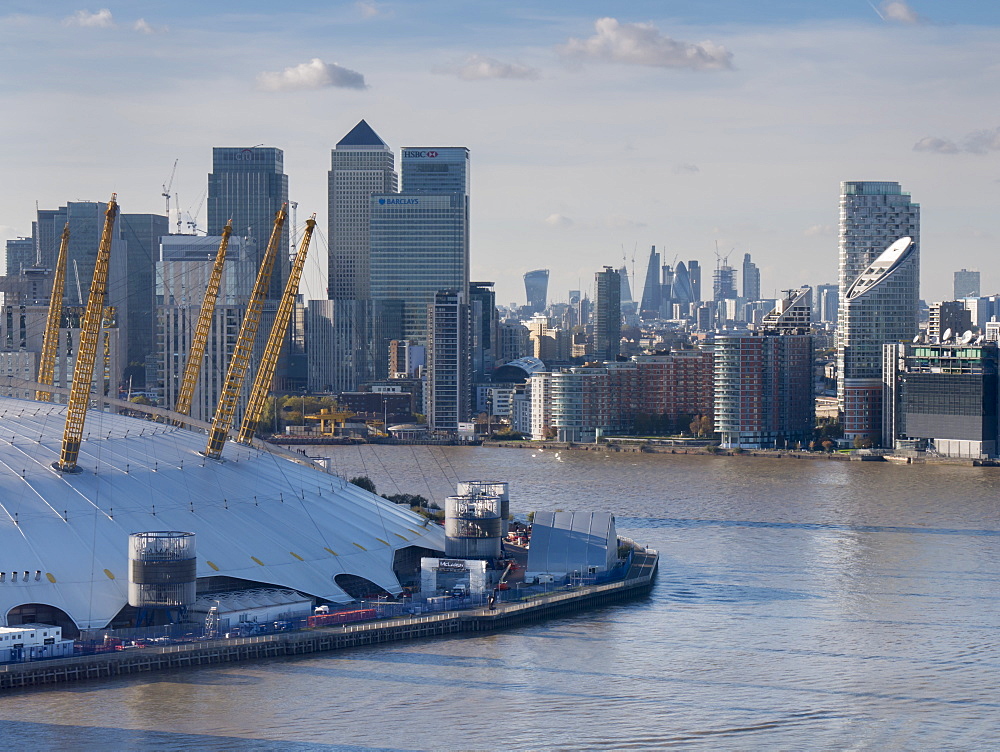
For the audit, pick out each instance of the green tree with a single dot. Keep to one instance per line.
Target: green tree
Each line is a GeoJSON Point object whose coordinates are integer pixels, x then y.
{"type": "Point", "coordinates": [363, 481]}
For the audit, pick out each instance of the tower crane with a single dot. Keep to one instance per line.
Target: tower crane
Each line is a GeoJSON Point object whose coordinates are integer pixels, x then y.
{"type": "Point", "coordinates": [240, 361]}
{"type": "Point", "coordinates": [192, 368]}
{"type": "Point", "coordinates": [192, 220]}
{"type": "Point", "coordinates": [83, 371]}
{"type": "Point", "coordinates": [50, 340]}
{"type": "Point", "coordinates": [269, 361]}
{"type": "Point", "coordinates": [167, 186]}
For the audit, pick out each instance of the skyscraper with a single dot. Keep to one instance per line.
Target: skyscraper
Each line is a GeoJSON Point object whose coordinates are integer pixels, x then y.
{"type": "Point", "coordinates": [966, 284]}
{"type": "Point", "coordinates": [448, 397]}
{"type": "Point", "coordinates": [86, 223]}
{"type": "Point", "coordinates": [724, 283]}
{"type": "Point", "coordinates": [420, 236]}
{"type": "Point", "coordinates": [694, 272]}
{"type": "Point", "coordinates": [751, 279]}
{"type": "Point", "coordinates": [142, 233]}
{"type": "Point", "coordinates": [182, 274]}
{"type": "Point", "coordinates": [484, 334]}
{"type": "Point", "coordinates": [607, 314]}
{"type": "Point", "coordinates": [248, 186]}
{"type": "Point", "coordinates": [825, 304]}
{"type": "Point", "coordinates": [873, 216]}
{"type": "Point", "coordinates": [536, 289]}
{"type": "Point", "coordinates": [361, 164]}
{"type": "Point", "coordinates": [652, 290]}
{"type": "Point", "coordinates": [880, 307]}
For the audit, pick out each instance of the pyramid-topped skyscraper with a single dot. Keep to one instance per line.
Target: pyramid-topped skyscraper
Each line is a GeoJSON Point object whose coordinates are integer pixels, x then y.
{"type": "Point", "coordinates": [342, 352]}
{"type": "Point", "coordinates": [361, 164]}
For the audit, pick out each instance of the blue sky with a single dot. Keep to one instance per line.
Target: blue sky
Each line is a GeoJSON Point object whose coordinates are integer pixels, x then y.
{"type": "Point", "coordinates": [596, 129]}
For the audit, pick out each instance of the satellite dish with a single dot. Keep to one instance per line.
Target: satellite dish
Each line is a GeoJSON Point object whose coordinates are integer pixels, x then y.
{"type": "Point", "coordinates": [967, 337]}
{"type": "Point", "coordinates": [916, 339]}
{"type": "Point", "coordinates": [946, 336]}
{"type": "Point", "coordinates": [980, 338]}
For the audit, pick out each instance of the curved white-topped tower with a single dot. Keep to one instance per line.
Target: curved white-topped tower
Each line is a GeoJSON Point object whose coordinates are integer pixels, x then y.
{"type": "Point", "coordinates": [259, 517]}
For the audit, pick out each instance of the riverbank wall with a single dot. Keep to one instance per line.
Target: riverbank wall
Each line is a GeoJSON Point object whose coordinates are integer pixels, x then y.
{"type": "Point", "coordinates": [654, 446]}
{"type": "Point", "coordinates": [639, 581]}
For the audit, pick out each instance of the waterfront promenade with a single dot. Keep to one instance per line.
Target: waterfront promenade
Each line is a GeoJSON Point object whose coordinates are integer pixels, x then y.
{"type": "Point", "coordinates": [637, 582]}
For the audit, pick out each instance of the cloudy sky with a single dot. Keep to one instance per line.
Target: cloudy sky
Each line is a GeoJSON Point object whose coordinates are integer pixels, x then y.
{"type": "Point", "coordinates": [596, 129]}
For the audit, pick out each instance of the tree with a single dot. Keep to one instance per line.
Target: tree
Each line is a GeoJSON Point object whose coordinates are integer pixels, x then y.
{"type": "Point", "coordinates": [363, 481]}
{"type": "Point", "coordinates": [702, 426]}
{"type": "Point", "coordinates": [860, 442]}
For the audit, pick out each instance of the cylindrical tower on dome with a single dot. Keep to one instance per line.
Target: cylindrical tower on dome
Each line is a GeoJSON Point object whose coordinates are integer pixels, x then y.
{"type": "Point", "coordinates": [161, 569]}
{"type": "Point", "coordinates": [472, 528]}
{"type": "Point", "coordinates": [490, 488]}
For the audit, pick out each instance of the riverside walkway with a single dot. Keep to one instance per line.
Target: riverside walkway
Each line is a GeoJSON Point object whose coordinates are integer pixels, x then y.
{"type": "Point", "coordinates": [637, 582]}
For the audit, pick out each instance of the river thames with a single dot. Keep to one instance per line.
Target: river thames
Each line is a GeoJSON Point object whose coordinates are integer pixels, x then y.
{"type": "Point", "coordinates": [800, 604]}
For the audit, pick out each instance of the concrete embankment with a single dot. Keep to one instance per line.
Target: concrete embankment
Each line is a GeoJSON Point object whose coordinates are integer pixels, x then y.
{"type": "Point", "coordinates": [507, 615]}
{"type": "Point", "coordinates": [638, 446]}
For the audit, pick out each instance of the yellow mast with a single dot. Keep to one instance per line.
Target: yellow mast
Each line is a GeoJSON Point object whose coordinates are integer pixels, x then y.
{"type": "Point", "coordinates": [192, 368]}
{"type": "Point", "coordinates": [269, 361]}
{"type": "Point", "coordinates": [90, 329]}
{"type": "Point", "coordinates": [240, 361]}
{"type": "Point", "coordinates": [50, 341]}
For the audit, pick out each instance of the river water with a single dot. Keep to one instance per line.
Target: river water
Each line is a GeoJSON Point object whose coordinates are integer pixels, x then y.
{"type": "Point", "coordinates": [800, 605]}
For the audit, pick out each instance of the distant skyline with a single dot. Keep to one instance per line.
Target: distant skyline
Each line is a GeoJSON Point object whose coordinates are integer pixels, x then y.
{"type": "Point", "coordinates": [594, 131]}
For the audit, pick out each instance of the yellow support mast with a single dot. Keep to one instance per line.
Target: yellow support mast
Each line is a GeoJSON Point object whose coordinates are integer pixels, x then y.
{"type": "Point", "coordinates": [240, 361]}
{"type": "Point", "coordinates": [90, 330]}
{"type": "Point", "coordinates": [50, 341]}
{"type": "Point", "coordinates": [192, 369]}
{"type": "Point", "coordinates": [269, 361]}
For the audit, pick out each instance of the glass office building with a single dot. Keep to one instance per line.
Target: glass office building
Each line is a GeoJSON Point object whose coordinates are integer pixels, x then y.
{"type": "Point", "coordinates": [248, 186]}
{"type": "Point", "coordinates": [419, 238]}
{"type": "Point", "coordinates": [419, 245]}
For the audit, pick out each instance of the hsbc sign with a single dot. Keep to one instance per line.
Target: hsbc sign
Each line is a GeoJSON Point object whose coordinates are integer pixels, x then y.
{"type": "Point", "coordinates": [414, 154]}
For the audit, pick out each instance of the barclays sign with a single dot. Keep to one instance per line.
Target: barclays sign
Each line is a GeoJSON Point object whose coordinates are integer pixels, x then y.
{"type": "Point", "coordinates": [383, 201]}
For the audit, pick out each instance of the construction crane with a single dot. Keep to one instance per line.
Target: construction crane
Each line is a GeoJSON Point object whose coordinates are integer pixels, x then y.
{"type": "Point", "coordinates": [192, 369]}
{"type": "Point", "coordinates": [50, 340]}
{"type": "Point", "coordinates": [168, 185]}
{"type": "Point", "coordinates": [192, 220]}
{"type": "Point", "coordinates": [269, 360]}
{"type": "Point", "coordinates": [240, 361]}
{"type": "Point", "coordinates": [83, 371]}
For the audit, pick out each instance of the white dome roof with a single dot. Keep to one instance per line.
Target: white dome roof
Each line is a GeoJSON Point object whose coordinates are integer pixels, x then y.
{"type": "Point", "coordinates": [258, 516]}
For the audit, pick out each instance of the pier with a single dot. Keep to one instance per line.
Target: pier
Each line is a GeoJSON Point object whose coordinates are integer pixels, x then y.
{"type": "Point", "coordinates": [638, 582]}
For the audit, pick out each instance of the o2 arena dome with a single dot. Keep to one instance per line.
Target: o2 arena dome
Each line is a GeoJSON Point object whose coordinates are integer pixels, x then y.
{"type": "Point", "coordinates": [260, 518]}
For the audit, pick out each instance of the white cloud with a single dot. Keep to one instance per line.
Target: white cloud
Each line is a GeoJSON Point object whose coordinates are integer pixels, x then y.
{"type": "Point", "coordinates": [980, 142]}
{"type": "Point", "coordinates": [369, 9]}
{"type": "Point", "coordinates": [899, 12]}
{"type": "Point", "coordinates": [977, 142]}
{"type": "Point", "coordinates": [312, 75]}
{"type": "Point", "coordinates": [681, 168]}
{"type": "Point", "coordinates": [938, 145]}
{"type": "Point", "coordinates": [819, 231]}
{"type": "Point", "coordinates": [142, 26]}
{"type": "Point", "coordinates": [558, 220]}
{"type": "Point", "coordinates": [102, 19]}
{"type": "Point", "coordinates": [643, 44]}
{"type": "Point", "coordinates": [478, 67]}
